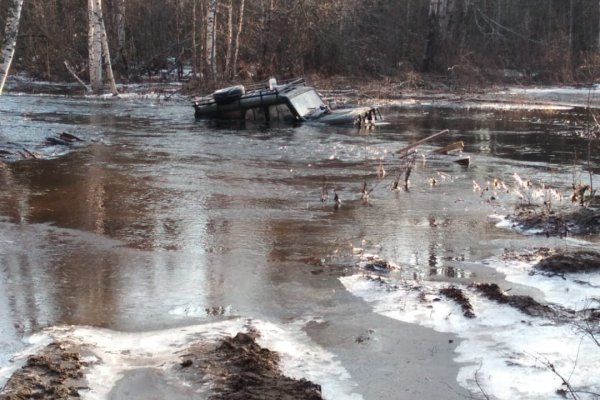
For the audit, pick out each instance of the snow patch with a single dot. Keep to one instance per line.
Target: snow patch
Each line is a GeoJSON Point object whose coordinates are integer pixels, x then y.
{"type": "Point", "coordinates": [503, 351]}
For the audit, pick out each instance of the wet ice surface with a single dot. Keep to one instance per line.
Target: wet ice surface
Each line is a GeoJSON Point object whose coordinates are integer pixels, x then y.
{"type": "Point", "coordinates": [163, 218]}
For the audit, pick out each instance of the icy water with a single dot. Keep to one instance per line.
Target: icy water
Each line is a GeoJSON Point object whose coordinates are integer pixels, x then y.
{"type": "Point", "coordinates": [126, 240]}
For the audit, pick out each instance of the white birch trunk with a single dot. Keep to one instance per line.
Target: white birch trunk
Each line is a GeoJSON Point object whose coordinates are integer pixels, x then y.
{"type": "Point", "coordinates": [195, 71]}
{"type": "Point", "coordinates": [98, 49]}
{"type": "Point", "coordinates": [211, 38]}
{"type": "Point", "coordinates": [105, 50]}
{"type": "Point", "coordinates": [229, 38]}
{"type": "Point", "coordinates": [236, 51]}
{"type": "Point", "coordinates": [9, 43]}
{"type": "Point", "coordinates": [94, 48]}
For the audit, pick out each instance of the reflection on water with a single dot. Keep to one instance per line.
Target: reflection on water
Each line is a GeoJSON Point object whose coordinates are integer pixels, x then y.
{"type": "Point", "coordinates": [166, 213]}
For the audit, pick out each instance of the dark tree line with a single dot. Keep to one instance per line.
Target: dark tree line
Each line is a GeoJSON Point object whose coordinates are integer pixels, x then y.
{"type": "Point", "coordinates": [528, 40]}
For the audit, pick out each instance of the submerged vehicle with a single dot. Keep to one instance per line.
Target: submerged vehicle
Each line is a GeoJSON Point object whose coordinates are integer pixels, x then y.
{"type": "Point", "coordinates": [291, 101]}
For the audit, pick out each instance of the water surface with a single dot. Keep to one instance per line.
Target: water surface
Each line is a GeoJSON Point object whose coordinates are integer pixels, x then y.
{"type": "Point", "coordinates": [157, 217]}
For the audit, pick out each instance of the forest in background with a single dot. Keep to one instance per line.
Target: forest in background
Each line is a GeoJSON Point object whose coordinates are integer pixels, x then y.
{"type": "Point", "coordinates": [522, 41]}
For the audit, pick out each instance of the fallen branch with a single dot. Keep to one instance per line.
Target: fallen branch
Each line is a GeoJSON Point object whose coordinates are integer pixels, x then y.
{"type": "Point", "coordinates": [420, 142]}
{"type": "Point", "coordinates": [72, 71]}
{"type": "Point", "coordinates": [485, 395]}
{"type": "Point", "coordinates": [30, 153]}
{"type": "Point", "coordinates": [569, 389]}
{"type": "Point", "coordinates": [453, 146]}
{"type": "Point", "coordinates": [71, 138]}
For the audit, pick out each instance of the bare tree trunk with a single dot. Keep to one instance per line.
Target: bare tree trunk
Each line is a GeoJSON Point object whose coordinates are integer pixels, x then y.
{"type": "Point", "coordinates": [9, 42]}
{"type": "Point", "coordinates": [105, 50]}
{"type": "Point", "coordinates": [94, 48]}
{"type": "Point", "coordinates": [98, 49]}
{"type": "Point", "coordinates": [571, 21]}
{"type": "Point", "coordinates": [598, 25]}
{"type": "Point", "coordinates": [433, 34]}
{"type": "Point", "coordinates": [446, 32]}
{"type": "Point", "coordinates": [194, 45]}
{"type": "Point", "coordinates": [236, 51]}
{"type": "Point", "coordinates": [211, 38]}
{"type": "Point", "coordinates": [121, 38]}
{"type": "Point", "coordinates": [229, 38]}
{"type": "Point", "coordinates": [72, 71]}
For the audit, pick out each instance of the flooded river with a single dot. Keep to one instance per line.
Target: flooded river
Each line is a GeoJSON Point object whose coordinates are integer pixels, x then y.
{"type": "Point", "coordinates": [160, 223]}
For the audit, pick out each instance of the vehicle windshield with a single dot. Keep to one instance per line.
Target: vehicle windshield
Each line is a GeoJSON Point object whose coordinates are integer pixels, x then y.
{"type": "Point", "coordinates": [307, 103]}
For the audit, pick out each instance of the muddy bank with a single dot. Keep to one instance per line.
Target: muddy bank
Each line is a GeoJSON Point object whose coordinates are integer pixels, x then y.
{"type": "Point", "coordinates": [570, 262]}
{"type": "Point", "coordinates": [240, 369]}
{"type": "Point", "coordinates": [492, 291]}
{"type": "Point", "coordinates": [525, 304]}
{"type": "Point", "coordinates": [232, 368]}
{"type": "Point", "coordinates": [552, 262]}
{"type": "Point", "coordinates": [582, 221]}
{"type": "Point", "coordinates": [458, 296]}
{"type": "Point", "coordinates": [57, 372]}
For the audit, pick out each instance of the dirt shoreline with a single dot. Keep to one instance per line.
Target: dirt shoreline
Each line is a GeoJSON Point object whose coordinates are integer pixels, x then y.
{"type": "Point", "coordinates": [232, 368]}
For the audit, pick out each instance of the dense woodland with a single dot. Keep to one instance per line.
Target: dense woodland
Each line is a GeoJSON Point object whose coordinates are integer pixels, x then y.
{"type": "Point", "coordinates": [221, 40]}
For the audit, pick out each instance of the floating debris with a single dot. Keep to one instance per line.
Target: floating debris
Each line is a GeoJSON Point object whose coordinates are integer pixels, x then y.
{"type": "Point", "coordinates": [324, 194]}
{"type": "Point", "coordinates": [380, 171]}
{"type": "Point", "coordinates": [464, 161]}
{"type": "Point", "coordinates": [336, 200]}
{"type": "Point", "coordinates": [63, 139]}
{"type": "Point", "coordinates": [451, 147]}
{"type": "Point", "coordinates": [405, 150]}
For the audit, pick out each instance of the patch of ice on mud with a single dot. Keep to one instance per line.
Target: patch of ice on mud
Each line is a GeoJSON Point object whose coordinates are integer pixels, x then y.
{"type": "Point", "coordinates": [503, 351]}
{"type": "Point", "coordinates": [119, 352]}
{"type": "Point", "coordinates": [506, 223]}
{"type": "Point", "coordinates": [300, 358]}
{"type": "Point", "coordinates": [575, 291]}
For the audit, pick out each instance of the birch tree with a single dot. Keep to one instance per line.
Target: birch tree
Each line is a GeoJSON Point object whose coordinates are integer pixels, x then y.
{"type": "Point", "coordinates": [94, 48]}
{"type": "Point", "coordinates": [236, 50]}
{"type": "Point", "coordinates": [229, 38]}
{"type": "Point", "coordinates": [98, 50]}
{"type": "Point", "coordinates": [105, 50]}
{"type": "Point", "coordinates": [8, 44]}
{"type": "Point", "coordinates": [211, 38]}
{"type": "Point", "coordinates": [194, 44]}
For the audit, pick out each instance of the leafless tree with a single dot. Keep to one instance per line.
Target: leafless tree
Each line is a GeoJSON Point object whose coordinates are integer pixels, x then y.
{"type": "Point", "coordinates": [99, 53]}
{"type": "Point", "coordinates": [9, 41]}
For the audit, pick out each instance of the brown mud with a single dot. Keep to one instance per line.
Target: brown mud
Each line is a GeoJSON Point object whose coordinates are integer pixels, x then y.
{"type": "Point", "coordinates": [57, 372]}
{"type": "Point", "coordinates": [569, 262]}
{"type": "Point", "coordinates": [234, 368]}
{"type": "Point", "coordinates": [535, 254]}
{"type": "Point", "coordinates": [579, 222]}
{"type": "Point", "coordinates": [459, 297]}
{"type": "Point", "coordinates": [525, 304]}
{"type": "Point", "coordinates": [240, 369]}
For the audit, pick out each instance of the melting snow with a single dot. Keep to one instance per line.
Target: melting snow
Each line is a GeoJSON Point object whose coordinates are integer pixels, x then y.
{"type": "Point", "coordinates": [503, 352]}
